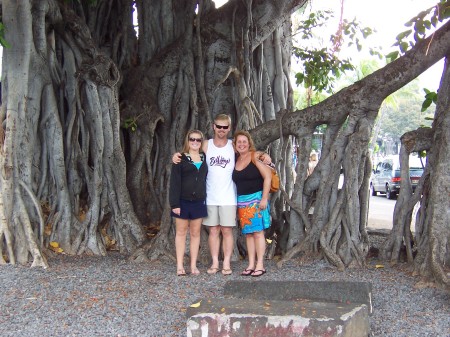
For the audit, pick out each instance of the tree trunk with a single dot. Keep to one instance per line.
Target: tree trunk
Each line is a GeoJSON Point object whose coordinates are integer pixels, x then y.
{"type": "Point", "coordinates": [432, 232]}
{"type": "Point", "coordinates": [61, 117]}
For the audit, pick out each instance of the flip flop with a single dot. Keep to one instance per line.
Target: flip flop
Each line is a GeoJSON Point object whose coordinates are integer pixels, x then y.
{"type": "Point", "coordinates": [227, 272]}
{"type": "Point", "coordinates": [258, 273]}
{"type": "Point", "coordinates": [181, 272]}
{"type": "Point", "coordinates": [212, 270]}
{"type": "Point", "coordinates": [195, 271]}
{"type": "Point", "coordinates": [247, 272]}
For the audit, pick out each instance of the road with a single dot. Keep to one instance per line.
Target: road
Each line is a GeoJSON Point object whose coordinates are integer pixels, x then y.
{"type": "Point", "coordinates": [381, 211]}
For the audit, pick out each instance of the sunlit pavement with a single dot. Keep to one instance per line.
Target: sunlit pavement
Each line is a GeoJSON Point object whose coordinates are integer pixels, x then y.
{"type": "Point", "coordinates": [381, 211]}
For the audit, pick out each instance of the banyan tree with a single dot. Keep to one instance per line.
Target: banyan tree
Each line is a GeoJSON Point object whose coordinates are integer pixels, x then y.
{"type": "Point", "coordinates": [98, 95]}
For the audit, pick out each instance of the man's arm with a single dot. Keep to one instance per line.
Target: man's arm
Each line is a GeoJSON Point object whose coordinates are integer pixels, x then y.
{"type": "Point", "coordinates": [264, 157]}
{"type": "Point", "coordinates": [205, 146]}
{"type": "Point", "coordinates": [176, 158]}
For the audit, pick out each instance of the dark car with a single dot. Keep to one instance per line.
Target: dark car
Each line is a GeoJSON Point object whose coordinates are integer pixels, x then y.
{"type": "Point", "coordinates": [386, 176]}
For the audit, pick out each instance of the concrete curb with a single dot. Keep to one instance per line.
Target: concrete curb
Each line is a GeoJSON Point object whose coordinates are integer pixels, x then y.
{"type": "Point", "coordinates": [283, 308]}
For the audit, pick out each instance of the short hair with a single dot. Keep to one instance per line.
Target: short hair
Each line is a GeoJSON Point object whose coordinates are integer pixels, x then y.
{"type": "Point", "coordinates": [246, 134]}
{"type": "Point", "coordinates": [186, 139]}
{"type": "Point", "coordinates": [223, 117]}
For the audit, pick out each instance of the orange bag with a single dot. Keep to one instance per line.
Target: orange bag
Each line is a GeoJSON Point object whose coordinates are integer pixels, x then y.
{"type": "Point", "coordinates": [275, 182]}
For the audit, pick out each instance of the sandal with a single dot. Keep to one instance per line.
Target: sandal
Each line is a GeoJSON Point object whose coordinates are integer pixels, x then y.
{"type": "Point", "coordinates": [226, 272]}
{"type": "Point", "coordinates": [212, 270]}
{"type": "Point", "coordinates": [181, 272]}
{"type": "Point", "coordinates": [258, 273]}
{"type": "Point", "coordinates": [247, 272]}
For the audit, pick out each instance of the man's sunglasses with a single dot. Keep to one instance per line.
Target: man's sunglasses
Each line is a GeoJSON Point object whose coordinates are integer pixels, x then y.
{"type": "Point", "coordinates": [198, 140]}
{"type": "Point", "coordinates": [225, 127]}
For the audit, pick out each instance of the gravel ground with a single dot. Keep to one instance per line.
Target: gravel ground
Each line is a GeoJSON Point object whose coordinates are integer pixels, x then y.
{"type": "Point", "coordinates": [93, 296]}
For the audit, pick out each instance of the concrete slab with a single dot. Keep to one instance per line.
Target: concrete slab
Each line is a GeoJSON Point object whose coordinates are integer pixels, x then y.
{"type": "Point", "coordinates": [318, 291]}
{"type": "Point", "coordinates": [248, 317]}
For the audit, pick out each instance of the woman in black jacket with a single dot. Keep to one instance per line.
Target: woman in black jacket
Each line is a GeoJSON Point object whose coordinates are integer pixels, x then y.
{"type": "Point", "coordinates": [187, 197]}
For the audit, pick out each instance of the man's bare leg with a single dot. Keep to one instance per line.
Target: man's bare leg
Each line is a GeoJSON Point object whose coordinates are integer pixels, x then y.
{"type": "Point", "coordinates": [227, 244]}
{"type": "Point", "coordinates": [214, 247]}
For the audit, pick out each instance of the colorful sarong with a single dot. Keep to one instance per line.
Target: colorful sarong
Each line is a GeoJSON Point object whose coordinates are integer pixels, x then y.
{"type": "Point", "coordinates": [251, 218]}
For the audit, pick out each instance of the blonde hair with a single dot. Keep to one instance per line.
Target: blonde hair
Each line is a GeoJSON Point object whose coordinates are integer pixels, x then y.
{"type": "Point", "coordinates": [223, 117]}
{"type": "Point", "coordinates": [245, 134]}
{"type": "Point", "coordinates": [186, 139]}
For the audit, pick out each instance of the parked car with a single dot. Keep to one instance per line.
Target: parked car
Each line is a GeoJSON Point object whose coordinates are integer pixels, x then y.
{"type": "Point", "coordinates": [386, 176]}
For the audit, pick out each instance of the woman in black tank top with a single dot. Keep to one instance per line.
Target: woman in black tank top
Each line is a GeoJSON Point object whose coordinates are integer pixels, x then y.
{"type": "Point", "coordinates": [252, 179]}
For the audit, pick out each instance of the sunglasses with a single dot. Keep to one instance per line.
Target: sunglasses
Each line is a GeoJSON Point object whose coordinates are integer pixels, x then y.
{"type": "Point", "coordinates": [225, 127]}
{"type": "Point", "coordinates": [198, 140]}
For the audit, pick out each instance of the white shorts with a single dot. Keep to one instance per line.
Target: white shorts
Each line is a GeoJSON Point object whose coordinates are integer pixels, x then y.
{"type": "Point", "coordinates": [224, 216]}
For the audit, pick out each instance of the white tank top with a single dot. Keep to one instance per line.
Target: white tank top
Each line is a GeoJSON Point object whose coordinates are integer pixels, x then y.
{"type": "Point", "coordinates": [220, 188]}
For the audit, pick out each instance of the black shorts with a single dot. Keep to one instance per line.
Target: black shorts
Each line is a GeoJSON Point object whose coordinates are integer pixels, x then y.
{"type": "Point", "coordinates": [191, 210]}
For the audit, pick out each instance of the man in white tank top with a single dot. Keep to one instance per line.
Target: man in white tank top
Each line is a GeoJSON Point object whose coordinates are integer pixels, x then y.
{"type": "Point", "coordinates": [220, 194]}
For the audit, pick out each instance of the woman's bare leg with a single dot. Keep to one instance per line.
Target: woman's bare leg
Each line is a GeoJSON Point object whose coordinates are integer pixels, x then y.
{"type": "Point", "coordinates": [195, 227]}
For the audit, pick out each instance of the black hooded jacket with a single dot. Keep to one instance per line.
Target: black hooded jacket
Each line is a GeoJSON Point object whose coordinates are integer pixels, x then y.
{"type": "Point", "coordinates": [187, 182]}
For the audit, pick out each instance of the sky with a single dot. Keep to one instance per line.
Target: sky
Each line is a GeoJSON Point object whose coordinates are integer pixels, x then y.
{"type": "Point", "coordinates": [387, 17]}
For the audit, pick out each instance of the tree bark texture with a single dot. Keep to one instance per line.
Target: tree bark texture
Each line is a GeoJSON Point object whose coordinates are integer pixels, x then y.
{"type": "Point", "coordinates": [62, 137]}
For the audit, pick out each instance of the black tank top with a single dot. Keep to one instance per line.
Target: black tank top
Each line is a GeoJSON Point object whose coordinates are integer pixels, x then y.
{"type": "Point", "coordinates": [248, 180]}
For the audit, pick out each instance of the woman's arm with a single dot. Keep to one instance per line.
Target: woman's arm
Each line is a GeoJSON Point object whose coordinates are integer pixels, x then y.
{"type": "Point", "coordinates": [266, 173]}
{"type": "Point", "coordinates": [175, 186]}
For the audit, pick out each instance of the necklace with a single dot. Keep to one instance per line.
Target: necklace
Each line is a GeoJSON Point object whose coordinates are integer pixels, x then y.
{"type": "Point", "coordinates": [243, 156]}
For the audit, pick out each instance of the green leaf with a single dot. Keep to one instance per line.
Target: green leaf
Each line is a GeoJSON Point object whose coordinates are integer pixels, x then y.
{"type": "Point", "coordinates": [426, 104]}
{"type": "Point", "coordinates": [404, 47]}
{"type": "Point", "coordinates": [299, 78]}
{"type": "Point", "coordinates": [4, 43]}
{"type": "Point", "coordinates": [392, 56]}
{"type": "Point", "coordinates": [446, 13]}
{"type": "Point", "coordinates": [404, 34]}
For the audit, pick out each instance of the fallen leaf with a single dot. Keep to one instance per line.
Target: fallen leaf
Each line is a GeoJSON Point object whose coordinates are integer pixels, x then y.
{"type": "Point", "coordinates": [54, 244]}
{"type": "Point", "coordinates": [196, 305]}
{"type": "Point", "coordinates": [379, 266]}
{"type": "Point", "coordinates": [268, 241]}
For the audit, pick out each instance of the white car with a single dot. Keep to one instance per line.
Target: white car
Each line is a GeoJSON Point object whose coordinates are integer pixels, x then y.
{"type": "Point", "coordinates": [386, 176]}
